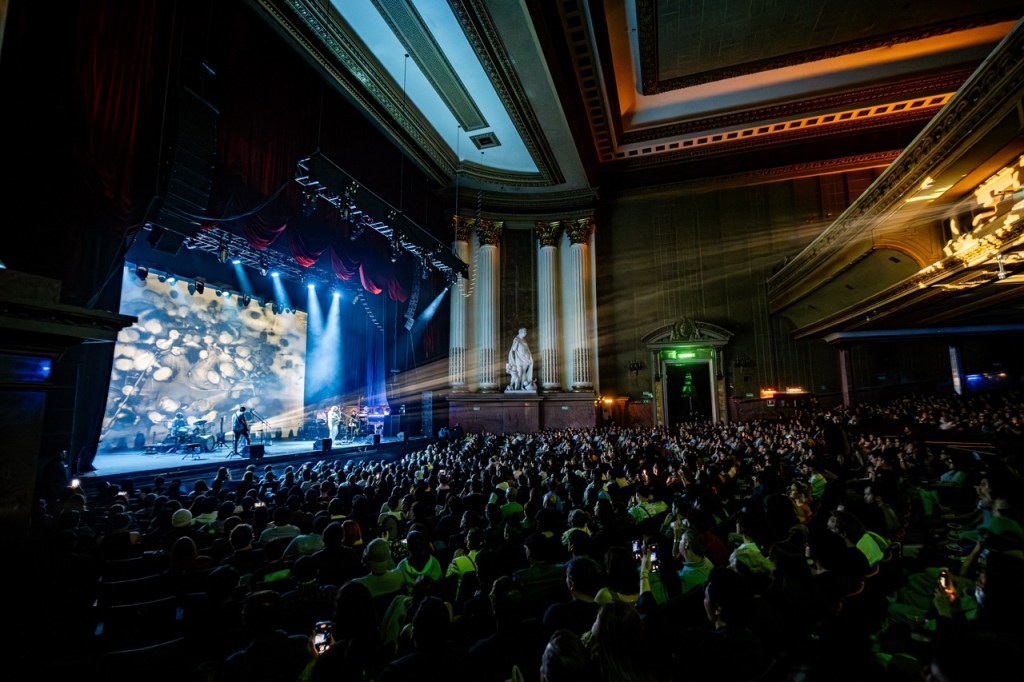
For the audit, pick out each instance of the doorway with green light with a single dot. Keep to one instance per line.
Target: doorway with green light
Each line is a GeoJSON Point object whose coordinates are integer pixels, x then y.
{"type": "Point", "coordinates": [689, 393]}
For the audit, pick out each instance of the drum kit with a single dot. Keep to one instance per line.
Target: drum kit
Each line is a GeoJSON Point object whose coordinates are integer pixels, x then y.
{"type": "Point", "coordinates": [192, 439]}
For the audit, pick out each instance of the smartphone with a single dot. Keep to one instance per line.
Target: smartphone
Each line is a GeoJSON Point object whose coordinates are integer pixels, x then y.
{"type": "Point", "coordinates": [655, 561]}
{"type": "Point", "coordinates": [638, 550]}
{"type": "Point", "coordinates": [944, 580]}
{"type": "Point", "coordinates": [322, 636]}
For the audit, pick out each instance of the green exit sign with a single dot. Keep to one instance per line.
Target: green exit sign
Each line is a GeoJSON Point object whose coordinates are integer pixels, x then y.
{"type": "Point", "coordinates": [678, 354]}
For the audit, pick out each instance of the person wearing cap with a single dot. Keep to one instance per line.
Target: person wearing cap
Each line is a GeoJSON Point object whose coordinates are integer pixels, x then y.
{"type": "Point", "coordinates": [384, 577]}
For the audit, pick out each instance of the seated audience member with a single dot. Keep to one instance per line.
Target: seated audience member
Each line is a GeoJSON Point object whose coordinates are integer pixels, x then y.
{"type": "Point", "coordinates": [383, 578]}
{"type": "Point", "coordinates": [583, 579]}
{"type": "Point", "coordinates": [541, 582]}
{"type": "Point", "coordinates": [696, 566]}
{"type": "Point", "coordinates": [621, 577]}
{"type": "Point", "coordinates": [565, 659]}
{"type": "Point", "coordinates": [731, 650]}
{"type": "Point", "coordinates": [853, 533]}
{"type": "Point", "coordinates": [618, 647]}
{"type": "Point", "coordinates": [244, 556]}
{"type": "Point", "coordinates": [462, 568]}
{"type": "Point", "coordinates": [309, 540]}
{"type": "Point", "coordinates": [356, 651]}
{"type": "Point", "coordinates": [421, 562]}
{"type": "Point", "coordinates": [336, 563]}
{"type": "Point", "coordinates": [517, 642]}
{"type": "Point", "coordinates": [434, 657]}
{"type": "Point", "coordinates": [280, 527]}
{"type": "Point", "coordinates": [272, 653]}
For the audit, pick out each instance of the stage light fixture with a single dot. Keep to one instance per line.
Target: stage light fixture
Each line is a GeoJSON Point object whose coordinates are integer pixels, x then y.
{"type": "Point", "coordinates": [245, 300]}
{"type": "Point", "coordinates": [191, 288]}
{"type": "Point", "coordinates": [142, 273]}
{"type": "Point", "coordinates": [275, 308]}
{"type": "Point", "coordinates": [227, 294]}
{"type": "Point", "coordinates": [161, 278]}
{"type": "Point", "coordinates": [357, 231]}
{"type": "Point", "coordinates": [336, 293]}
{"type": "Point", "coordinates": [236, 260]}
{"type": "Point", "coordinates": [171, 279]}
{"type": "Point", "coordinates": [396, 249]}
{"type": "Point", "coordinates": [200, 286]}
{"type": "Point", "coordinates": [308, 202]}
{"type": "Point", "coordinates": [263, 264]}
{"type": "Point", "coordinates": [222, 253]}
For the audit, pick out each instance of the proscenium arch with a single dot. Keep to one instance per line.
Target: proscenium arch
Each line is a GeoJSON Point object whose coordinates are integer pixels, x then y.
{"type": "Point", "coordinates": [687, 342]}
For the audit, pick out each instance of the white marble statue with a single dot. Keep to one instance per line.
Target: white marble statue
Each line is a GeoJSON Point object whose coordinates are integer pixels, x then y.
{"type": "Point", "coordinates": [520, 364]}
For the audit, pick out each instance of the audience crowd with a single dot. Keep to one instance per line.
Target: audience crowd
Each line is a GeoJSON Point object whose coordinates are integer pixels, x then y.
{"type": "Point", "coordinates": [878, 541]}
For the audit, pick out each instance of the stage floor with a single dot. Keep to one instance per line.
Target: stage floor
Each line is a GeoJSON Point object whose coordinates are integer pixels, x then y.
{"type": "Point", "coordinates": [114, 464]}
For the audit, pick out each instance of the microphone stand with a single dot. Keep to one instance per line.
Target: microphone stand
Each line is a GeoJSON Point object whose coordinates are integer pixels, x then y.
{"type": "Point", "coordinates": [263, 426]}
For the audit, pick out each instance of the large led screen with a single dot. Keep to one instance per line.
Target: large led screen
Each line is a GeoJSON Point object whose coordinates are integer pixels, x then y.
{"type": "Point", "coordinates": [203, 355]}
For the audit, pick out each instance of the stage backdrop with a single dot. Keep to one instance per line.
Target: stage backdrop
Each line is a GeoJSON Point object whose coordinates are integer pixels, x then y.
{"type": "Point", "coordinates": [202, 355]}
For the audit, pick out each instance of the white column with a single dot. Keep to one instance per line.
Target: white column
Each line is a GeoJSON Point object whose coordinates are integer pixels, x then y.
{"type": "Point", "coordinates": [548, 235]}
{"type": "Point", "coordinates": [488, 279]}
{"type": "Point", "coordinates": [579, 305]}
{"type": "Point", "coordinates": [458, 300]}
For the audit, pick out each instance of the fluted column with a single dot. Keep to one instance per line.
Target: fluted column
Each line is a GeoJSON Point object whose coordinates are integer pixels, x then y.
{"type": "Point", "coordinates": [547, 291]}
{"type": "Point", "coordinates": [488, 279]}
{"type": "Point", "coordinates": [578, 304]}
{"type": "Point", "coordinates": [458, 300]}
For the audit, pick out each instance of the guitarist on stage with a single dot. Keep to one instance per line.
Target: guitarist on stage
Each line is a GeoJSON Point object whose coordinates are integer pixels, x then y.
{"type": "Point", "coordinates": [241, 429]}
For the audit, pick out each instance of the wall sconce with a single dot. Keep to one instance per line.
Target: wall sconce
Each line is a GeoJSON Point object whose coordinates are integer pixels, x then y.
{"type": "Point", "coordinates": [635, 366]}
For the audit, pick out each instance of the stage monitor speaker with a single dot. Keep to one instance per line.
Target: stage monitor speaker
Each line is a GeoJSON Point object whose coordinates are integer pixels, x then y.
{"type": "Point", "coordinates": [256, 452]}
{"type": "Point", "coordinates": [322, 444]}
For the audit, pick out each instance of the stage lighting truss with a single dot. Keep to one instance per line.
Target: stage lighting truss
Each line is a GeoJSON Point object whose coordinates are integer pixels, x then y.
{"type": "Point", "coordinates": [317, 174]}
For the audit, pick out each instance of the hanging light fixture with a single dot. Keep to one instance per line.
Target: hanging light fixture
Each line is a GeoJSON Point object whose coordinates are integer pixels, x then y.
{"type": "Point", "coordinates": [222, 252]}
{"type": "Point", "coordinates": [308, 202]}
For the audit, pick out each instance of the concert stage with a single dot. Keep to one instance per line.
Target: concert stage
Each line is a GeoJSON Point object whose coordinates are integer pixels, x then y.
{"type": "Point", "coordinates": [146, 464]}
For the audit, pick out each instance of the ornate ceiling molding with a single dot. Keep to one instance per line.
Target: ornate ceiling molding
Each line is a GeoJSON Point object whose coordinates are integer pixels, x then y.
{"type": "Point", "coordinates": [322, 37]}
{"type": "Point", "coordinates": [908, 91]}
{"type": "Point", "coordinates": [763, 137]}
{"type": "Point", "coordinates": [408, 26]}
{"type": "Point", "coordinates": [647, 36]}
{"type": "Point", "coordinates": [486, 42]}
{"type": "Point", "coordinates": [325, 37]}
{"type": "Point", "coordinates": [992, 91]}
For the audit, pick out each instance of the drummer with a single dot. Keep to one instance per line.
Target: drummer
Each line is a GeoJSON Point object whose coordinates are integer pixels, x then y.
{"type": "Point", "coordinates": [179, 425]}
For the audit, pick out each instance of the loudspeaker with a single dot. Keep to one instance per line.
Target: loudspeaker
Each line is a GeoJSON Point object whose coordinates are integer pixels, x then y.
{"type": "Point", "coordinates": [256, 451]}
{"type": "Point", "coordinates": [188, 177]}
{"type": "Point", "coordinates": [322, 444]}
{"type": "Point", "coordinates": [376, 439]}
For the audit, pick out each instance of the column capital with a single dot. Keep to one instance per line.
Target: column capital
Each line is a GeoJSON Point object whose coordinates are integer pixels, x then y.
{"type": "Point", "coordinates": [548, 232]}
{"type": "Point", "coordinates": [489, 231]}
{"type": "Point", "coordinates": [462, 227]}
{"type": "Point", "coordinates": [579, 230]}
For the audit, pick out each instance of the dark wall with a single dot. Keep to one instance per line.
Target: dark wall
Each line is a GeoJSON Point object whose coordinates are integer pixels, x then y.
{"type": "Point", "coordinates": [668, 253]}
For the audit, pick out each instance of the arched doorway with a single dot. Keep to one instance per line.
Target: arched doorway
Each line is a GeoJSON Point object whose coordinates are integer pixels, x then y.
{"type": "Point", "coordinates": [688, 371]}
